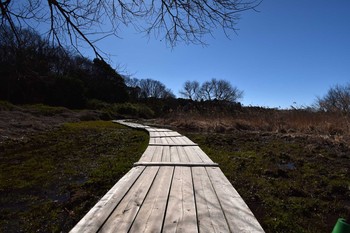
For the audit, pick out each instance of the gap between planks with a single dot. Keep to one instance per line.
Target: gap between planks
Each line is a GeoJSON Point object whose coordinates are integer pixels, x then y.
{"type": "Point", "coordinates": [178, 164]}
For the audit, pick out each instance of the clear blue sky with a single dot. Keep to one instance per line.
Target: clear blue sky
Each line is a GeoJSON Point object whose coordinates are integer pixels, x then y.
{"type": "Point", "coordinates": [290, 51]}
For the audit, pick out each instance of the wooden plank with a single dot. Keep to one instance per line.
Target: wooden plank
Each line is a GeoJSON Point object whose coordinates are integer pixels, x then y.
{"type": "Point", "coordinates": [151, 215]}
{"type": "Point", "coordinates": [153, 140]}
{"type": "Point", "coordinates": [238, 215]}
{"type": "Point", "coordinates": [201, 154]}
{"type": "Point", "coordinates": [131, 124]}
{"type": "Point", "coordinates": [163, 141]}
{"type": "Point", "coordinates": [209, 213]}
{"type": "Point", "coordinates": [166, 144]}
{"type": "Point", "coordinates": [192, 155]}
{"type": "Point", "coordinates": [164, 136]}
{"type": "Point", "coordinates": [183, 164]}
{"type": "Point", "coordinates": [173, 134]}
{"type": "Point", "coordinates": [148, 154]}
{"type": "Point", "coordinates": [181, 141]}
{"type": "Point", "coordinates": [154, 134]}
{"type": "Point", "coordinates": [123, 216]}
{"type": "Point", "coordinates": [177, 140]}
{"type": "Point", "coordinates": [181, 210]}
{"type": "Point", "coordinates": [166, 154]}
{"type": "Point", "coordinates": [170, 140]}
{"type": "Point", "coordinates": [182, 154]}
{"type": "Point", "coordinates": [157, 155]}
{"type": "Point", "coordinates": [94, 219]}
{"type": "Point", "coordinates": [174, 155]}
{"type": "Point", "coordinates": [187, 140]}
{"type": "Point", "coordinates": [162, 130]}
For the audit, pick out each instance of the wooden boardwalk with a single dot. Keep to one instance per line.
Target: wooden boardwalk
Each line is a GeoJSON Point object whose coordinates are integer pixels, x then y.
{"type": "Point", "coordinates": [175, 187]}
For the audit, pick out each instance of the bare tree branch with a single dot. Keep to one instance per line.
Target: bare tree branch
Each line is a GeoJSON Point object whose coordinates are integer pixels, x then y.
{"type": "Point", "coordinates": [77, 23]}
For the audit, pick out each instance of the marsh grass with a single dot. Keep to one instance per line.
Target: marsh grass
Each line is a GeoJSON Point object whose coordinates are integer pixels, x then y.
{"type": "Point", "coordinates": [320, 124]}
{"type": "Point", "coordinates": [51, 179]}
{"type": "Point", "coordinates": [292, 184]}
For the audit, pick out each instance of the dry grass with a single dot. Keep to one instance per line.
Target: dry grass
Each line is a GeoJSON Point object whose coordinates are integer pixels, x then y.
{"type": "Point", "coordinates": [293, 122]}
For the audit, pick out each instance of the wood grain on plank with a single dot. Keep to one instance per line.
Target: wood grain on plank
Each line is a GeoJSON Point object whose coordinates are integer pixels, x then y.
{"type": "Point", "coordinates": [182, 154]}
{"type": "Point", "coordinates": [181, 164]}
{"type": "Point", "coordinates": [174, 155]}
{"type": "Point", "coordinates": [238, 215]}
{"type": "Point", "coordinates": [192, 155]}
{"type": "Point", "coordinates": [151, 215]}
{"type": "Point", "coordinates": [123, 216]}
{"type": "Point", "coordinates": [157, 155]}
{"type": "Point", "coordinates": [181, 210]}
{"type": "Point", "coordinates": [166, 154]}
{"type": "Point", "coordinates": [201, 154]}
{"type": "Point", "coordinates": [209, 213]}
{"type": "Point", "coordinates": [94, 219]}
{"type": "Point", "coordinates": [148, 154]}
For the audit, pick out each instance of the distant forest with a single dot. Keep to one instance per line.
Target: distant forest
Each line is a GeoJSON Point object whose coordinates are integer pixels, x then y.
{"type": "Point", "coordinates": [37, 72]}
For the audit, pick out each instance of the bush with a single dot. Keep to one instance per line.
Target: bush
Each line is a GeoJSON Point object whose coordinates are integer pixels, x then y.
{"type": "Point", "coordinates": [6, 106]}
{"type": "Point", "coordinates": [129, 110]}
{"type": "Point", "coordinates": [96, 104]}
{"type": "Point", "coordinates": [44, 110]}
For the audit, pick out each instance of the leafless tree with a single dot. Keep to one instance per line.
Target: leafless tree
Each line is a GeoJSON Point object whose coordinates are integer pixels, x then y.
{"type": "Point", "coordinates": [191, 90]}
{"type": "Point", "coordinates": [220, 90]}
{"type": "Point", "coordinates": [154, 89]}
{"type": "Point", "coordinates": [337, 99]}
{"type": "Point", "coordinates": [130, 81]}
{"type": "Point", "coordinates": [206, 91]}
{"type": "Point", "coordinates": [223, 90]}
{"type": "Point", "coordinates": [83, 22]}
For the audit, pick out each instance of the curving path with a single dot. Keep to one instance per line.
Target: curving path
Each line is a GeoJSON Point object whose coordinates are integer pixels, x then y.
{"type": "Point", "coordinates": [175, 187]}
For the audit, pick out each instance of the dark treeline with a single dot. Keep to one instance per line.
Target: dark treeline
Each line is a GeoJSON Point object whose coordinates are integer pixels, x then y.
{"type": "Point", "coordinates": [37, 72]}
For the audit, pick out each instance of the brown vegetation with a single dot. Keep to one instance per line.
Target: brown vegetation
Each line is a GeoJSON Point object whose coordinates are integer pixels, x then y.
{"type": "Point", "coordinates": [333, 126]}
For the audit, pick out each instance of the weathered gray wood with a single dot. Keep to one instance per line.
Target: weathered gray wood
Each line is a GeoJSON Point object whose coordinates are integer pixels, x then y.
{"type": "Point", "coordinates": [166, 154]}
{"type": "Point", "coordinates": [194, 156]}
{"type": "Point", "coordinates": [183, 164]}
{"type": "Point", "coordinates": [148, 154]}
{"type": "Point", "coordinates": [166, 144]}
{"type": "Point", "coordinates": [157, 156]}
{"type": "Point", "coordinates": [237, 213]}
{"type": "Point", "coordinates": [174, 155]}
{"type": "Point", "coordinates": [94, 219]}
{"type": "Point", "coordinates": [159, 130]}
{"type": "Point", "coordinates": [209, 213]}
{"type": "Point", "coordinates": [187, 140]}
{"type": "Point", "coordinates": [166, 136]}
{"type": "Point", "coordinates": [182, 155]}
{"type": "Point", "coordinates": [181, 209]}
{"type": "Point", "coordinates": [200, 153]}
{"type": "Point", "coordinates": [151, 215]}
{"type": "Point", "coordinates": [123, 216]}
{"type": "Point", "coordinates": [163, 141]}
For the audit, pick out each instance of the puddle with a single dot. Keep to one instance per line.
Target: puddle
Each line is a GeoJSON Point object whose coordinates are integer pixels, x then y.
{"type": "Point", "coordinates": [286, 166]}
